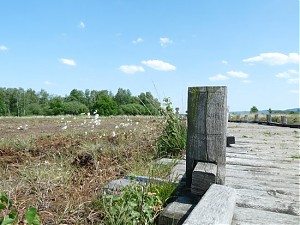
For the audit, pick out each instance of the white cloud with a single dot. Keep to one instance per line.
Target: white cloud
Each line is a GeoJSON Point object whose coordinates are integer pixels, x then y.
{"type": "Point", "coordinates": [48, 83]}
{"type": "Point", "coordinates": [159, 65]}
{"type": "Point", "coordinates": [137, 41]}
{"type": "Point", "coordinates": [293, 81]}
{"type": "Point", "coordinates": [294, 91]}
{"type": "Point", "coordinates": [131, 69]}
{"type": "Point", "coordinates": [164, 41]}
{"type": "Point", "coordinates": [218, 77]}
{"type": "Point", "coordinates": [81, 25]}
{"type": "Point", "coordinates": [286, 74]}
{"type": "Point", "coordinates": [3, 48]}
{"type": "Point", "coordinates": [224, 62]}
{"type": "Point", "coordinates": [238, 74]}
{"type": "Point", "coordinates": [69, 62]}
{"type": "Point", "coordinates": [275, 58]}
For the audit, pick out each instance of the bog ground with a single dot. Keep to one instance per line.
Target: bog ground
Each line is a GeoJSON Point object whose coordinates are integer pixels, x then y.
{"type": "Point", "coordinates": [60, 164]}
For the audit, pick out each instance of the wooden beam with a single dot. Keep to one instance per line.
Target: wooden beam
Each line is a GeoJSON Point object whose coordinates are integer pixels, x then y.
{"type": "Point", "coordinates": [206, 135]}
{"type": "Point", "coordinates": [204, 175]}
{"type": "Point", "coordinates": [215, 207]}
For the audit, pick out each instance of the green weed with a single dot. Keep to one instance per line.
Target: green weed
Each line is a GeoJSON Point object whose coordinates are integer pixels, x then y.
{"type": "Point", "coordinates": [135, 204]}
{"type": "Point", "coordinates": [172, 141]}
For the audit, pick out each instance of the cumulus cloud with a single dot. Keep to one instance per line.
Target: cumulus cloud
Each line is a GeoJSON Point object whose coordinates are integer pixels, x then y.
{"type": "Point", "coordinates": [48, 83]}
{"type": "Point", "coordinates": [238, 74]}
{"type": "Point", "coordinates": [164, 41]}
{"type": "Point", "coordinates": [218, 77]}
{"type": "Point", "coordinates": [286, 74]}
{"type": "Point", "coordinates": [224, 62]}
{"type": "Point", "coordinates": [159, 65]}
{"type": "Point", "coordinates": [293, 81]}
{"type": "Point", "coordinates": [81, 25]}
{"type": "Point", "coordinates": [137, 41]}
{"type": "Point", "coordinates": [69, 62]}
{"type": "Point", "coordinates": [294, 91]}
{"type": "Point", "coordinates": [3, 48]}
{"type": "Point", "coordinates": [131, 69]}
{"type": "Point", "coordinates": [275, 58]}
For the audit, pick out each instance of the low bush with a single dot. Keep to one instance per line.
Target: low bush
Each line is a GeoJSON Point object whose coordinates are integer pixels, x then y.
{"type": "Point", "coordinates": [135, 204]}
{"type": "Point", "coordinates": [172, 141]}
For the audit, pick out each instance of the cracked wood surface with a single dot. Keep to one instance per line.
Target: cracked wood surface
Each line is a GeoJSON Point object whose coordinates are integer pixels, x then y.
{"type": "Point", "coordinates": [261, 167]}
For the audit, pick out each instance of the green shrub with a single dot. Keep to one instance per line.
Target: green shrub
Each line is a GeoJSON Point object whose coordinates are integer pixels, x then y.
{"type": "Point", "coordinates": [172, 141]}
{"type": "Point", "coordinates": [9, 216]}
{"type": "Point", "coordinates": [135, 204]}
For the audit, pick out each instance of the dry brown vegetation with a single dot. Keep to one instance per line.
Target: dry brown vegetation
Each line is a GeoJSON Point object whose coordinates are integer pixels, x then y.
{"type": "Point", "coordinates": [59, 165]}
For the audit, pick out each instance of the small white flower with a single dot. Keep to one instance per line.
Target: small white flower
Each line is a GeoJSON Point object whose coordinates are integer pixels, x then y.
{"type": "Point", "coordinates": [113, 134]}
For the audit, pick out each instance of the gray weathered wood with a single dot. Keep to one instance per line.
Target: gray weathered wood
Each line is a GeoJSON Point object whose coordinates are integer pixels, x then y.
{"type": "Point", "coordinates": [256, 118]}
{"type": "Point", "coordinates": [256, 216]}
{"type": "Point", "coordinates": [269, 118]}
{"type": "Point", "coordinates": [176, 212]}
{"type": "Point", "coordinates": [206, 136]}
{"type": "Point", "coordinates": [215, 207]}
{"type": "Point", "coordinates": [283, 120]}
{"type": "Point", "coordinates": [259, 166]}
{"type": "Point", "coordinates": [230, 140]}
{"type": "Point", "coordinates": [204, 175]}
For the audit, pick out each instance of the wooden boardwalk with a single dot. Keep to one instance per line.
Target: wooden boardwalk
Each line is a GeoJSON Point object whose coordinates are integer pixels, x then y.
{"type": "Point", "coordinates": [266, 177]}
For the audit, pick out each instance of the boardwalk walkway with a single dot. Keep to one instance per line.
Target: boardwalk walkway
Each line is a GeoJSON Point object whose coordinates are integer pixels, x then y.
{"type": "Point", "coordinates": [266, 177]}
{"type": "Point", "coordinates": [261, 168]}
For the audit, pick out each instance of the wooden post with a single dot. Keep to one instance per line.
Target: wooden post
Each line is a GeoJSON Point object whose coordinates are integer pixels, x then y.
{"type": "Point", "coordinates": [238, 118]}
{"type": "Point", "coordinates": [246, 118]}
{"type": "Point", "coordinates": [269, 118]}
{"type": "Point", "coordinates": [256, 118]}
{"type": "Point", "coordinates": [283, 120]}
{"type": "Point", "coordinates": [206, 135]}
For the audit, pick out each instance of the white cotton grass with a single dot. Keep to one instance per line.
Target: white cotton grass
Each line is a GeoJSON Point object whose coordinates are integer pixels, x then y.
{"type": "Point", "coordinates": [22, 127]}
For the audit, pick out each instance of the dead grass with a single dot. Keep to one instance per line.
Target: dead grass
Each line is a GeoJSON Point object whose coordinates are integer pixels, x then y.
{"type": "Point", "coordinates": [61, 171]}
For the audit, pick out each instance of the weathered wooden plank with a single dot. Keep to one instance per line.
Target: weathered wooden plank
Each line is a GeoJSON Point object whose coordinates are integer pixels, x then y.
{"type": "Point", "coordinates": [242, 183]}
{"type": "Point", "coordinates": [267, 200]}
{"type": "Point", "coordinates": [215, 207]}
{"type": "Point", "coordinates": [282, 172]}
{"type": "Point", "coordinates": [261, 163]}
{"type": "Point", "coordinates": [270, 157]}
{"type": "Point", "coordinates": [248, 216]}
{"type": "Point", "coordinates": [206, 136]}
{"type": "Point", "coordinates": [204, 175]}
{"type": "Point", "coordinates": [261, 175]}
{"type": "Point", "coordinates": [176, 212]}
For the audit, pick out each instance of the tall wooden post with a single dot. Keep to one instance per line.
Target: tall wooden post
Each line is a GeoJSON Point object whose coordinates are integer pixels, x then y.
{"type": "Point", "coordinates": [206, 136]}
{"type": "Point", "coordinates": [256, 118]}
{"type": "Point", "coordinates": [283, 120]}
{"type": "Point", "coordinates": [269, 118]}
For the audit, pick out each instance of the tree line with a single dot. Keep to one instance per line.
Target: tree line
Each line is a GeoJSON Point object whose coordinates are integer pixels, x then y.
{"type": "Point", "coordinates": [21, 102]}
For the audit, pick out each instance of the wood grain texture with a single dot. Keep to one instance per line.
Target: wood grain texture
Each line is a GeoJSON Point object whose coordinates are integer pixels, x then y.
{"type": "Point", "coordinates": [204, 175]}
{"type": "Point", "coordinates": [249, 216]}
{"type": "Point", "coordinates": [206, 136]}
{"type": "Point", "coordinates": [215, 207]}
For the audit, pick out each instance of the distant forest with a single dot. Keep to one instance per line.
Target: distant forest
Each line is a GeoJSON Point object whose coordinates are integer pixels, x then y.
{"type": "Point", "coordinates": [20, 102]}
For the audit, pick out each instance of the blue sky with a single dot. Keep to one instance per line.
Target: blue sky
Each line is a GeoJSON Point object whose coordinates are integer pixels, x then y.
{"type": "Point", "coordinates": [162, 46]}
